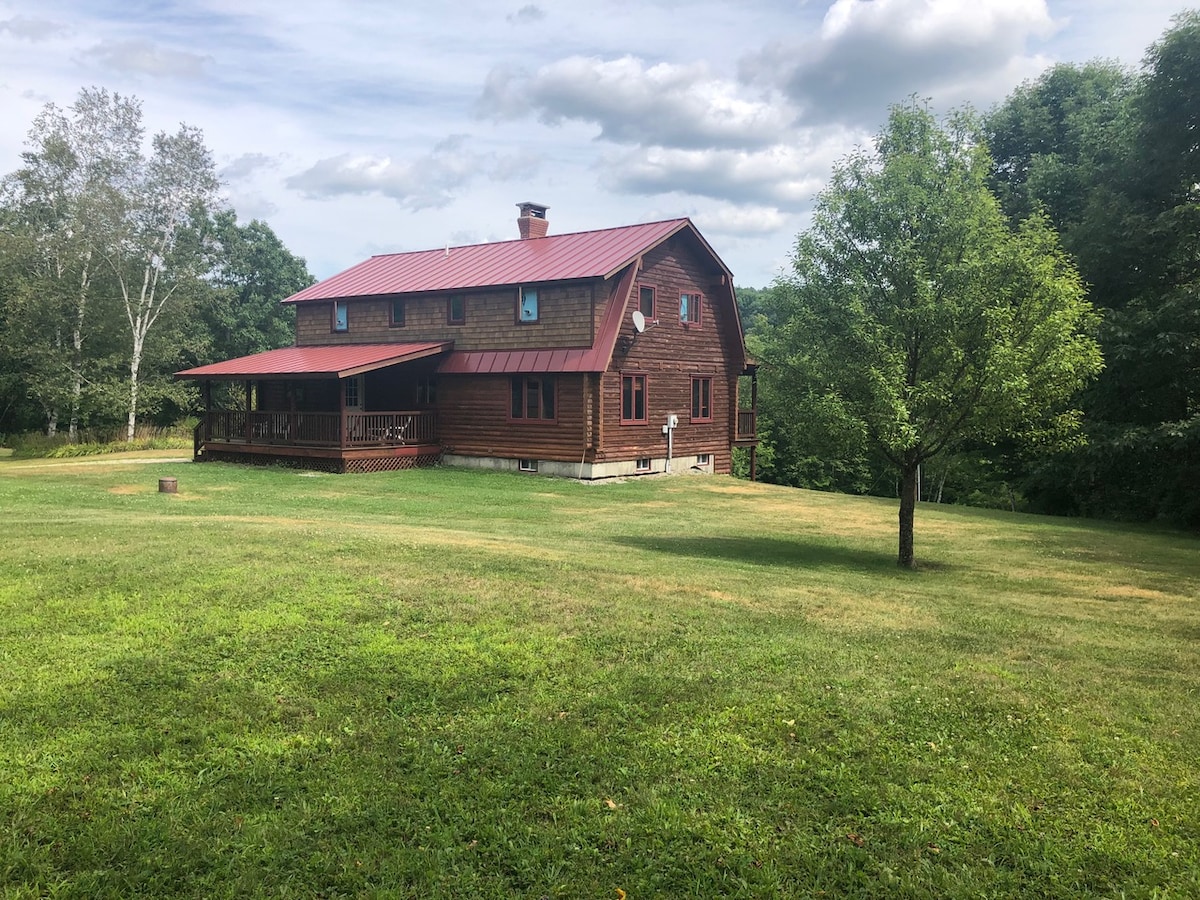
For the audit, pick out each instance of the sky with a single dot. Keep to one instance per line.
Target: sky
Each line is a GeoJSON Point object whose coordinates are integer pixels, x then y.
{"type": "Point", "coordinates": [356, 127]}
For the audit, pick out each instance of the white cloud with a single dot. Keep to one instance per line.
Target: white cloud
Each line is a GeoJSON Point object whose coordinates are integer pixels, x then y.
{"type": "Point", "coordinates": [141, 57]}
{"type": "Point", "coordinates": [741, 220]}
{"type": "Point", "coordinates": [247, 165]}
{"type": "Point", "coordinates": [433, 180]}
{"type": "Point", "coordinates": [869, 55]}
{"type": "Point", "coordinates": [527, 14]}
{"type": "Point", "coordinates": [786, 175]}
{"type": "Point", "coordinates": [778, 176]}
{"type": "Point", "coordinates": [33, 29]}
{"type": "Point", "coordinates": [634, 103]}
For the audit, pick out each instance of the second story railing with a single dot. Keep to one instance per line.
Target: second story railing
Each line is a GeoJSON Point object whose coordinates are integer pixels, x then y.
{"type": "Point", "coordinates": [747, 424]}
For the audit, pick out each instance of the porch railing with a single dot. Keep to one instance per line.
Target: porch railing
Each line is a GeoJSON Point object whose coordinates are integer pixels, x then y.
{"type": "Point", "coordinates": [321, 429]}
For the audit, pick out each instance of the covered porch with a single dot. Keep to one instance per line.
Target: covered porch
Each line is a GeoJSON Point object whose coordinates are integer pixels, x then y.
{"type": "Point", "coordinates": [350, 408]}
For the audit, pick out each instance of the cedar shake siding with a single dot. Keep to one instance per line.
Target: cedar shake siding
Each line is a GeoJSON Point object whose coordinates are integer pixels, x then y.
{"type": "Point", "coordinates": [565, 319]}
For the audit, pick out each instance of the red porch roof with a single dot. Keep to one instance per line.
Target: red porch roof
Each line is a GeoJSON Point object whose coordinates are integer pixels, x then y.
{"type": "Point", "coordinates": [341, 361]}
{"type": "Point", "coordinates": [585, 254]}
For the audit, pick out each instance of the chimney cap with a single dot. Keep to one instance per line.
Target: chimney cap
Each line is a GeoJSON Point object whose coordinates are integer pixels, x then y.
{"type": "Point", "coordinates": [533, 210]}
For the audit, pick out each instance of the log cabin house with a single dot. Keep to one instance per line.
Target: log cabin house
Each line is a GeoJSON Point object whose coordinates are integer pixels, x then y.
{"type": "Point", "coordinates": [590, 355]}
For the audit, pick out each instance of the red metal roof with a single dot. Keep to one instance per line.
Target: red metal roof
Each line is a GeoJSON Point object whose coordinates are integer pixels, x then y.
{"type": "Point", "coordinates": [338, 361]}
{"type": "Point", "coordinates": [585, 254]}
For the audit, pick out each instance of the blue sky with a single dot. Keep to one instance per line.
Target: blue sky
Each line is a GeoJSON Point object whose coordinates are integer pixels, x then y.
{"type": "Point", "coordinates": [363, 127]}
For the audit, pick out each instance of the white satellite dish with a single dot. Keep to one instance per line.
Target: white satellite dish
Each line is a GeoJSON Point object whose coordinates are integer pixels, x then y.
{"type": "Point", "coordinates": [639, 321]}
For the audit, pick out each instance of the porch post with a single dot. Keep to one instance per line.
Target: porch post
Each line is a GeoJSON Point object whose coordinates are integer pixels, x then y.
{"type": "Point", "coordinates": [249, 402]}
{"type": "Point", "coordinates": [207, 410]}
{"type": "Point", "coordinates": [342, 409]}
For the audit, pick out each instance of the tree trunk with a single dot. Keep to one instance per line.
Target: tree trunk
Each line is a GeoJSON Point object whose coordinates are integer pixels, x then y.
{"type": "Point", "coordinates": [77, 349]}
{"type": "Point", "coordinates": [135, 363]}
{"type": "Point", "coordinates": [908, 505]}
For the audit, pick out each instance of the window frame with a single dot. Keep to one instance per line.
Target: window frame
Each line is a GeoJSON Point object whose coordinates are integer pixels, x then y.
{"type": "Point", "coordinates": [462, 319]}
{"type": "Point", "coordinates": [537, 311]}
{"type": "Point", "coordinates": [335, 320]}
{"type": "Point", "coordinates": [643, 464]}
{"type": "Point", "coordinates": [653, 291]}
{"type": "Point", "coordinates": [697, 307]}
{"type": "Point", "coordinates": [544, 382]}
{"type": "Point", "coordinates": [393, 320]}
{"type": "Point", "coordinates": [527, 465]}
{"type": "Point", "coordinates": [645, 382]}
{"type": "Point", "coordinates": [696, 400]}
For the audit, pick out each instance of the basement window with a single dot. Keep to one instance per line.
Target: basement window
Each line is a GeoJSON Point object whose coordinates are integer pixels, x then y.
{"type": "Point", "coordinates": [527, 465]}
{"type": "Point", "coordinates": [642, 465]}
{"type": "Point", "coordinates": [703, 459]}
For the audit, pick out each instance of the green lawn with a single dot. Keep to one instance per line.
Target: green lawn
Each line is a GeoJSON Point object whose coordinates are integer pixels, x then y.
{"type": "Point", "coordinates": [452, 684]}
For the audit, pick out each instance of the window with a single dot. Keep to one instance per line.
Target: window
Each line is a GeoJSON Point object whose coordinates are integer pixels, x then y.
{"type": "Point", "coordinates": [426, 390]}
{"type": "Point", "coordinates": [527, 465]}
{"type": "Point", "coordinates": [353, 395]}
{"type": "Point", "coordinates": [341, 315]}
{"type": "Point", "coordinates": [633, 400]}
{"type": "Point", "coordinates": [701, 398]}
{"type": "Point", "coordinates": [396, 314]}
{"type": "Point", "coordinates": [689, 309]}
{"type": "Point", "coordinates": [646, 302]}
{"type": "Point", "coordinates": [532, 397]}
{"type": "Point", "coordinates": [703, 459]}
{"type": "Point", "coordinates": [456, 309]}
{"type": "Point", "coordinates": [642, 465]}
{"type": "Point", "coordinates": [527, 305]}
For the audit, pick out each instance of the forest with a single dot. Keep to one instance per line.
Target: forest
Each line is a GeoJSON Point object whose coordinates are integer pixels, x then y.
{"type": "Point", "coordinates": [1110, 159]}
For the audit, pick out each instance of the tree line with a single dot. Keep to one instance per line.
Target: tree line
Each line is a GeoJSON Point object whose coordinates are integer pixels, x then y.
{"type": "Point", "coordinates": [119, 267]}
{"type": "Point", "coordinates": [1096, 168]}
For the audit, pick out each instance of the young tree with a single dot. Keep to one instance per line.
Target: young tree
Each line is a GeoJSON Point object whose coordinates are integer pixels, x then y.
{"type": "Point", "coordinates": [915, 314]}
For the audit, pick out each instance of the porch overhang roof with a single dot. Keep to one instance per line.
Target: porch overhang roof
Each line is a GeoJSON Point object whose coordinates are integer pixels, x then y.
{"type": "Point", "coordinates": [322, 361]}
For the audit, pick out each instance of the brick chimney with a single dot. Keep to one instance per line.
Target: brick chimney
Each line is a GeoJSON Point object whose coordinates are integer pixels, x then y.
{"type": "Point", "coordinates": [532, 221]}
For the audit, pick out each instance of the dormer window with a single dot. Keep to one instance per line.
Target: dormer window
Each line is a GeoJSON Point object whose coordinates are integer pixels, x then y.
{"type": "Point", "coordinates": [527, 305]}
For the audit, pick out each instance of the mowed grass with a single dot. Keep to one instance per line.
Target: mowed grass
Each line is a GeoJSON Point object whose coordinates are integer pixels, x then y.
{"type": "Point", "coordinates": [454, 684]}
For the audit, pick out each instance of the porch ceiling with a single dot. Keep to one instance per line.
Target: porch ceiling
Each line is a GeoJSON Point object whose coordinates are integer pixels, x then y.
{"type": "Point", "coordinates": [323, 361]}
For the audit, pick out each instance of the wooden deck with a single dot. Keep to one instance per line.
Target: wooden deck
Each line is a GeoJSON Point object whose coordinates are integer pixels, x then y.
{"type": "Point", "coordinates": [349, 442]}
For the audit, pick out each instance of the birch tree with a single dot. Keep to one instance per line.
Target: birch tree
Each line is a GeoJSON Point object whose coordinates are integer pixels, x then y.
{"type": "Point", "coordinates": [163, 244]}
{"type": "Point", "coordinates": [64, 204]}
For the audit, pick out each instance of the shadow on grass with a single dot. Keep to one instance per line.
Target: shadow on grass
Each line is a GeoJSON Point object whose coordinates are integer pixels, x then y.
{"type": "Point", "coordinates": [797, 554]}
